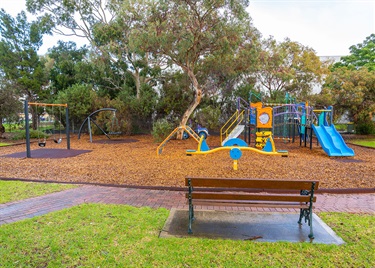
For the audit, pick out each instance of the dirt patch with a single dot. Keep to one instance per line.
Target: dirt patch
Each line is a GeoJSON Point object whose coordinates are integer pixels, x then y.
{"type": "Point", "coordinates": [137, 163]}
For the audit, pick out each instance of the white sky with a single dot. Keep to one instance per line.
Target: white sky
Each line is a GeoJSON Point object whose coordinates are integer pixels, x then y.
{"type": "Point", "coordinates": [330, 27]}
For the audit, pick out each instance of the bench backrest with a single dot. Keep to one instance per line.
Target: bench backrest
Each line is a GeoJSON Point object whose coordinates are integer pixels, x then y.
{"type": "Point", "coordinates": [262, 184]}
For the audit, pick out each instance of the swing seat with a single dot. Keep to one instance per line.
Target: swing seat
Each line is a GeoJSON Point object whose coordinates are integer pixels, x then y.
{"type": "Point", "coordinates": [58, 141]}
{"type": "Point", "coordinates": [115, 133]}
{"type": "Point", "coordinates": [42, 144]}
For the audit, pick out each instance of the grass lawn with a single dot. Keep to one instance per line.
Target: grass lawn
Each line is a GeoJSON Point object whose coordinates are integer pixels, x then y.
{"type": "Point", "coordinates": [17, 190]}
{"type": "Point", "coordinates": [4, 144]}
{"type": "Point", "coordinates": [368, 143]}
{"type": "Point", "coordinates": [98, 235]}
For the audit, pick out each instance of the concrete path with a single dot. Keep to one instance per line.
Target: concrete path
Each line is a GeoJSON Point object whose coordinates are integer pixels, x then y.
{"type": "Point", "coordinates": [15, 211]}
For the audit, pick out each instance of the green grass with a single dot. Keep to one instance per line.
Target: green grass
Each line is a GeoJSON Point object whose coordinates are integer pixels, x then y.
{"type": "Point", "coordinates": [2, 144]}
{"type": "Point", "coordinates": [17, 190]}
{"type": "Point", "coordinates": [368, 143]}
{"type": "Point", "coordinates": [98, 235]}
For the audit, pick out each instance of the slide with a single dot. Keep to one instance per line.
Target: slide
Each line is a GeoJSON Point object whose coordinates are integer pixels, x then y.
{"type": "Point", "coordinates": [331, 141]}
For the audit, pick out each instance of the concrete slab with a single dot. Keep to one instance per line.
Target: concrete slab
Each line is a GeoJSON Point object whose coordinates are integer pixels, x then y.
{"type": "Point", "coordinates": [244, 225]}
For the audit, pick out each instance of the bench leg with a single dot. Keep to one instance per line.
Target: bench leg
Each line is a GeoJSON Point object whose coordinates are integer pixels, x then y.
{"type": "Point", "coordinates": [307, 214]}
{"type": "Point", "coordinates": [191, 216]}
{"type": "Point", "coordinates": [311, 235]}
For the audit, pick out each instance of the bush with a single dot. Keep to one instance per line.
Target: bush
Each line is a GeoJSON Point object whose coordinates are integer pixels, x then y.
{"type": "Point", "coordinates": [161, 129]}
{"type": "Point", "coordinates": [34, 134]}
{"type": "Point", "coordinates": [365, 128]}
{"type": "Point", "coordinates": [209, 117]}
{"type": "Point", "coordinates": [364, 125]}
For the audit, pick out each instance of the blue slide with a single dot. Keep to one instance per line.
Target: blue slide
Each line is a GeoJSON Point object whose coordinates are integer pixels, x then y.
{"type": "Point", "coordinates": [332, 142]}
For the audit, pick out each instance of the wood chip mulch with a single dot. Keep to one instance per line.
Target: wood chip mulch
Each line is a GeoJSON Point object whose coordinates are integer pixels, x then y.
{"type": "Point", "coordinates": [137, 163]}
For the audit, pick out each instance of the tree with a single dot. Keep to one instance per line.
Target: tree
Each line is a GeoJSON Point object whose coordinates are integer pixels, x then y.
{"type": "Point", "coordinates": [188, 33]}
{"type": "Point", "coordinates": [353, 91]}
{"type": "Point", "coordinates": [64, 71]}
{"type": "Point", "coordinates": [361, 55]}
{"type": "Point", "coordinates": [100, 22]}
{"type": "Point", "coordinates": [288, 67]}
{"type": "Point", "coordinates": [81, 102]}
{"type": "Point", "coordinates": [19, 61]}
{"type": "Point", "coordinates": [9, 103]}
{"type": "Point", "coordinates": [352, 84]}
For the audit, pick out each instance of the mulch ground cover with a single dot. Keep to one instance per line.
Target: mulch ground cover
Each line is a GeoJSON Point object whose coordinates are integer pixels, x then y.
{"type": "Point", "coordinates": [132, 160]}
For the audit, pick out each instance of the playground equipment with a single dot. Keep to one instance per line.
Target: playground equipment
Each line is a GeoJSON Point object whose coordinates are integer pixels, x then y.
{"type": "Point", "coordinates": [329, 138]}
{"type": "Point", "coordinates": [235, 147]}
{"type": "Point", "coordinates": [283, 120]}
{"type": "Point", "coordinates": [42, 143]}
{"type": "Point", "coordinates": [201, 131]}
{"type": "Point", "coordinates": [89, 120]}
{"type": "Point", "coordinates": [188, 130]}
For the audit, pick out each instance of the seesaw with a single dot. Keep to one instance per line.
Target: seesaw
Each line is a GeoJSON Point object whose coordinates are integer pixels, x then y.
{"type": "Point", "coordinates": [235, 147]}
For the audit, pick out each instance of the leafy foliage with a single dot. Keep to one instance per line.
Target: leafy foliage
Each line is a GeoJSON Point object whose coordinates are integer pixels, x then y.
{"type": "Point", "coordinates": [288, 67]}
{"type": "Point", "coordinates": [161, 129]}
{"type": "Point", "coordinates": [361, 55]}
{"type": "Point", "coordinates": [9, 103]}
{"type": "Point", "coordinates": [354, 91]}
{"type": "Point", "coordinates": [67, 59]}
{"type": "Point", "coordinates": [188, 33]}
{"type": "Point", "coordinates": [19, 62]}
{"type": "Point", "coordinates": [80, 99]}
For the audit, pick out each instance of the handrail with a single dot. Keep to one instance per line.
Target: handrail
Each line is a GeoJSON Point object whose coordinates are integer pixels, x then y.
{"type": "Point", "coordinates": [238, 118]}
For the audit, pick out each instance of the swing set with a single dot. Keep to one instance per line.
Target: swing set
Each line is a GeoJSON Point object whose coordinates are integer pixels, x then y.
{"type": "Point", "coordinates": [90, 120]}
{"type": "Point", "coordinates": [42, 141]}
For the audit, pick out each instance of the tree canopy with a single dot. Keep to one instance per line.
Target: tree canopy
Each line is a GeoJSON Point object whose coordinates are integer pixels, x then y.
{"type": "Point", "coordinates": [19, 61]}
{"type": "Point", "coordinates": [188, 33]}
{"type": "Point", "coordinates": [361, 55]}
{"type": "Point", "coordinates": [352, 85]}
{"type": "Point", "coordinates": [288, 67]}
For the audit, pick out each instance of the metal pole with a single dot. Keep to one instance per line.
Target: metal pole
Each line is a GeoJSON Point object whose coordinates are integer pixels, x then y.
{"type": "Point", "coordinates": [67, 129]}
{"type": "Point", "coordinates": [89, 126]}
{"type": "Point", "coordinates": [26, 110]}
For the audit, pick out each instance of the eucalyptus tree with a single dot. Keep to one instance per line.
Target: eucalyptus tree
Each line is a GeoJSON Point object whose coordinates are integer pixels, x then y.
{"type": "Point", "coordinates": [107, 28]}
{"type": "Point", "coordinates": [189, 33]}
{"type": "Point", "coordinates": [19, 61]}
{"type": "Point", "coordinates": [288, 67]}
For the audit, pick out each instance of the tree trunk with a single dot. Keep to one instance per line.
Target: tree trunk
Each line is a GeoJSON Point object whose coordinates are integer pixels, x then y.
{"type": "Point", "coordinates": [193, 105]}
{"type": "Point", "coordinates": [2, 128]}
{"type": "Point", "coordinates": [137, 79]}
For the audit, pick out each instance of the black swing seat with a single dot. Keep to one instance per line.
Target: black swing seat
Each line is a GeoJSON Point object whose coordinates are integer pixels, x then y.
{"type": "Point", "coordinates": [58, 141]}
{"type": "Point", "coordinates": [42, 144]}
{"type": "Point", "coordinates": [115, 133]}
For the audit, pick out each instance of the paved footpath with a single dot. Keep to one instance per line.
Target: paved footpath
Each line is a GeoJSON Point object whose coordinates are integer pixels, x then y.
{"type": "Point", "coordinates": [15, 211]}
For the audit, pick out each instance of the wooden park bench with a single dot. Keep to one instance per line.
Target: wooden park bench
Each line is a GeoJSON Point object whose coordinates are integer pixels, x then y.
{"type": "Point", "coordinates": [254, 193]}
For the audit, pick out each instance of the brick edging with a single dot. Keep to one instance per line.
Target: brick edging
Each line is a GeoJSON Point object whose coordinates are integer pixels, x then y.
{"type": "Point", "coordinates": [175, 188]}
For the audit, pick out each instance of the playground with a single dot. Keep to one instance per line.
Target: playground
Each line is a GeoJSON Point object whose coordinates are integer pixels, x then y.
{"type": "Point", "coordinates": [131, 160]}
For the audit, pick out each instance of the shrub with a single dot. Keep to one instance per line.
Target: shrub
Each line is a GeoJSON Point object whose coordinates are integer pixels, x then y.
{"type": "Point", "coordinates": [161, 129]}
{"type": "Point", "coordinates": [365, 128]}
{"type": "Point", "coordinates": [34, 134]}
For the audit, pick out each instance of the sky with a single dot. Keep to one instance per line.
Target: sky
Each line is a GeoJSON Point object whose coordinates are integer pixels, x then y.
{"type": "Point", "coordinates": [330, 27]}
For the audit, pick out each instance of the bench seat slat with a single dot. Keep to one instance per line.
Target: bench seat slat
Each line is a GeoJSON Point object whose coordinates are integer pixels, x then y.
{"type": "Point", "coordinates": [249, 204]}
{"type": "Point", "coordinates": [250, 183]}
{"type": "Point", "coordinates": [259, 197]}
